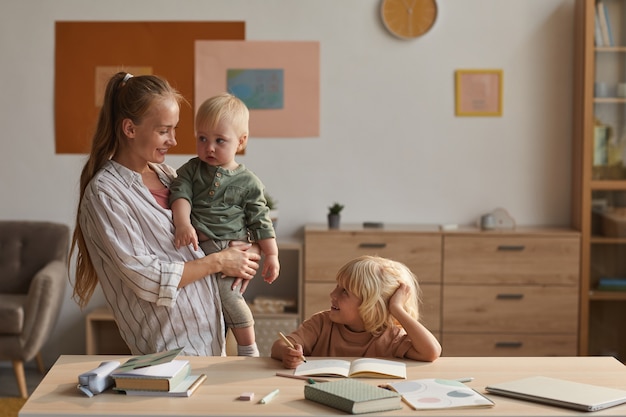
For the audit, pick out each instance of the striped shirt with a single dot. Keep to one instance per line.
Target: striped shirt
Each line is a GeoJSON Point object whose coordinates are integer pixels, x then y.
{"type": "Point", "coordinates": [130, 239]}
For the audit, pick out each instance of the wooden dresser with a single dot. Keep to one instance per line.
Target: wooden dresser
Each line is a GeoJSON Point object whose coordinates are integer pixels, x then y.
{"type": "Point", "coordinates": [496, 293]}
{"type": "Point", "coordinates": [510, 294]}
{"type": "Point", "coordinates": [326, 250]}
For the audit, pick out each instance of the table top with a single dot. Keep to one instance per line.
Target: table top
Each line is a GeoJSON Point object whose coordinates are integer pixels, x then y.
{"type": "Point", "coordinates": [228, 377]}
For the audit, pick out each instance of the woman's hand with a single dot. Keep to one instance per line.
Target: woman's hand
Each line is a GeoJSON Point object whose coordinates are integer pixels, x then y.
{"type": "Point", "coordinates": [239, 261]}
{"type": "Point", "coordinates": [245, 271]}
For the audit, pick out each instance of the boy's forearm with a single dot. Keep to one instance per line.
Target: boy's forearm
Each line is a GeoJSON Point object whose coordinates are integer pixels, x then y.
{"type": "Point", "coordinates": [422, 339]}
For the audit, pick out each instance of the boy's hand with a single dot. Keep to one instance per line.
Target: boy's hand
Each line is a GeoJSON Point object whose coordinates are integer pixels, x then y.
{"type": "Point", "coordinates": [186, 235]}
{"type": "Point", "coordinates": [271, 268]}
{"type": "Point", "coordinates": [292, 357]}
{"type": "Point", "coordinates": [398, 299]}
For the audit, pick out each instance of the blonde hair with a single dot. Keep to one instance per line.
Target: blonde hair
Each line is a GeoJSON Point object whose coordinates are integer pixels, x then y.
{"type": "Point", "coordinates": [374, 280]}
{"type": "Point", "coordinates": [125, 97]}
{"type": "Point", "coordinates": [223, 107]}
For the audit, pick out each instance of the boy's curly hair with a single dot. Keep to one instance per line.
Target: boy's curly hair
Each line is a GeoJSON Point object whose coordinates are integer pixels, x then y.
{"type": "Point", "coordinates": [374, 280]}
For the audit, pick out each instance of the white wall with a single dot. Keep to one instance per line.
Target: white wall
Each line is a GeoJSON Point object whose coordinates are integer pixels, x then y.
{"type": "Point", "coordinates": [390, 148]}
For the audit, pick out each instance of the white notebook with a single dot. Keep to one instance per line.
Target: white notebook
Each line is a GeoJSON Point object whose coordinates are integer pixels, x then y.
{"type": "Point", "coordinates": [560, 393]}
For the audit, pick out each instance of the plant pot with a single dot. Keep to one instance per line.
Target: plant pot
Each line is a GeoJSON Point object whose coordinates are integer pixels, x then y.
{"type": "Point", "coordinates": [333, 221]}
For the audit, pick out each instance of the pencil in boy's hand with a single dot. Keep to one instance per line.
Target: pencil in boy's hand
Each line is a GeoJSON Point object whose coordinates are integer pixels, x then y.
{"type": "Point", "coordinates": [290, 344]}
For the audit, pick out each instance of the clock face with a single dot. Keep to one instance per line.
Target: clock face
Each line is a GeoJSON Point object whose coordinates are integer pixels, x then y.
{"type": "Point", "coordinates": [408, 19]}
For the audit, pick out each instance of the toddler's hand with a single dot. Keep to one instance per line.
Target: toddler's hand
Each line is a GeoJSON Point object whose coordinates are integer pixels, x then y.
{"type": "Point", "coordinates": [186, 235]}
{"type": "Point", "coordinates": [271, 268]}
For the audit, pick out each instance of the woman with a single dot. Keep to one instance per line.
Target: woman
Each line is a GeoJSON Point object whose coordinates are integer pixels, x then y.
{"type": "Point", "coordinates": [162, 297]}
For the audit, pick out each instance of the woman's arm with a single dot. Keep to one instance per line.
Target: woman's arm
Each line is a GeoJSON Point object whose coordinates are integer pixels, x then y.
{"type": "Point", "coordinates": [238, 261]}
{"type": "Point", "coordinates": [425, 346]}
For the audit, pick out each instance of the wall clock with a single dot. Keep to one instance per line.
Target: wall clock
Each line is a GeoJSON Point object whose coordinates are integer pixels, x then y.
{"type": "Point", "coordinates": [408, 19]}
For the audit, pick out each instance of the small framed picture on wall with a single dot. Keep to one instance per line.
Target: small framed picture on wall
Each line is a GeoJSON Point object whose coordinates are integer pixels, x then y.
{"type": "Point", "coordinates": [478, 92]}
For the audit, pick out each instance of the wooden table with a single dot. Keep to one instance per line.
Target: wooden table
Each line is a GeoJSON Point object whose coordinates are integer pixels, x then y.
{"type": "Point", "coordinates": [228, 377]}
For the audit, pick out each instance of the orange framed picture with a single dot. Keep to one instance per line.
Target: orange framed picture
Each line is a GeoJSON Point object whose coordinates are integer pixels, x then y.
{"type": "Point", "coordinates": [478, 92]}
{"type": "Point", "coordinates": [140, 47]}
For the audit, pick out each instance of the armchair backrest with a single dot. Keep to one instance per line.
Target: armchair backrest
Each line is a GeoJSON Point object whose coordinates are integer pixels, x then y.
{"type": "Point", "coordinates": [25, 248]}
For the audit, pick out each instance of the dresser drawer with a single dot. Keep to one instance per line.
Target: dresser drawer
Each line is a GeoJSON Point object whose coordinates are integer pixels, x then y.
{"type": "Point", "coordinates": [508, 344]}
{"type": "Point", "coordinates": [317, 296]}
{"type": "Point", "coordinates": [511, 259]}
{"type": "Point", "coordinates": [327, 252]}
{"type": "Point", "coordinates": [506, 308]}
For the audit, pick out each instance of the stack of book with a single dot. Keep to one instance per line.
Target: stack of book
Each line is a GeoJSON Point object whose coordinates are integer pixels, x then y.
{"type": "Point", "coordinates": [612, 284]}
{"type": "Point", "coordinates": [157, 374]}
{"type": "Point", "coordinates": [603, 31]}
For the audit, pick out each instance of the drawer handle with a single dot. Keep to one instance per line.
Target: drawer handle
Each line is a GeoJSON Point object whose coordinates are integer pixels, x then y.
{"type": "Point", "coordinates": [509, 345]}
{"type": "Point", "coordinates": [372, 245]}
{"type": "Point", "coordinates": [510, 296]}
{"type": "Point", "coordinates": [511, 248]}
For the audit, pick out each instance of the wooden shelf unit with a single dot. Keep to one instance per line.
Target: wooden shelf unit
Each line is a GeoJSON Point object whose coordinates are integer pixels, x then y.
{"type": "Point", "coordinates": [102, 337]}
{"type": "Point", "coordinates": [596, 184]}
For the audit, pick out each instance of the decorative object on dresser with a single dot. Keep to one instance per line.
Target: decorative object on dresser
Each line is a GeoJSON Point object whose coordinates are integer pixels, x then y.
{"type": "Point", "coordinates": [497, 219]}
{"type": "Point", "coordinates": [334, 215]}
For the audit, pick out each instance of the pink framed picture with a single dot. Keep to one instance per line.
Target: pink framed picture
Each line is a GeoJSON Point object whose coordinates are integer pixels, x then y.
{"type": "Point", "coordinates": [479, 92]}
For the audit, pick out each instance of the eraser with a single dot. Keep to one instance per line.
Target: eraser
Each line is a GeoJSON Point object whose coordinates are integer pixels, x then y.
{"type": "Point", "coordinates": [246, 396]}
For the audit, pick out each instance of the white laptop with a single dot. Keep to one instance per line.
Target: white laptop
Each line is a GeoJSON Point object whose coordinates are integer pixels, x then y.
{"type": "Point", "coordinates": [560, 393]}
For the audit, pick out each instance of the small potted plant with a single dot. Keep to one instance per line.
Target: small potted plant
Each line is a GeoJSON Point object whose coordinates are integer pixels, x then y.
{"type": "Point", "coordinates": [334, 215]}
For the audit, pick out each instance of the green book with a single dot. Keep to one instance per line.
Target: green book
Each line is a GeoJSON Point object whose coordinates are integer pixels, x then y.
{"type": "Point", "coordinates": [353, 396]}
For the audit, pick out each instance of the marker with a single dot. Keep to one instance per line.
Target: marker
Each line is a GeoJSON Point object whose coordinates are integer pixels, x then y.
{"type": "Point", "coordinates": [269, 397]}
{"type": "Point", "coordinates": [290, 344]}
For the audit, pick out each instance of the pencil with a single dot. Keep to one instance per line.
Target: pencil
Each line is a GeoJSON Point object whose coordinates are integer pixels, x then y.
{"type": "Point", "coordinates": [305, 378]}
{"type": "Point", "coordinates": [290, 344]}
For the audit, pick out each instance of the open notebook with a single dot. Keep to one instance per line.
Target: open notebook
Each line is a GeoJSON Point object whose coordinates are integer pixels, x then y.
{"type": "Point", "coordinates": [560, 393]}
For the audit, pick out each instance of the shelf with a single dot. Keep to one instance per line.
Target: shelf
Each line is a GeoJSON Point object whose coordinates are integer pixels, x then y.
{"type": "Point", "coordinates": [609, 100]}
{"type": "Point", "coordinates": [610, 48]}
{"type": "Point", "coordinates": [603, 248]}
{"type": "Point", "coordinates": [609, 185]}
{"type": "Point", "coordinates": [600, 240]}
{"type": "Point", "coordinates": [595, 295]}
{"type": "Point", "coordinates": [102, 336]}
{"type": "Point", "coordinates": [287, 286]}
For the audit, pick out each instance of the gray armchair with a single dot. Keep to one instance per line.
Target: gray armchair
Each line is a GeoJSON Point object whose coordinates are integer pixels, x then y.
{"type": "Point", "coordinates": [33, 278]}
